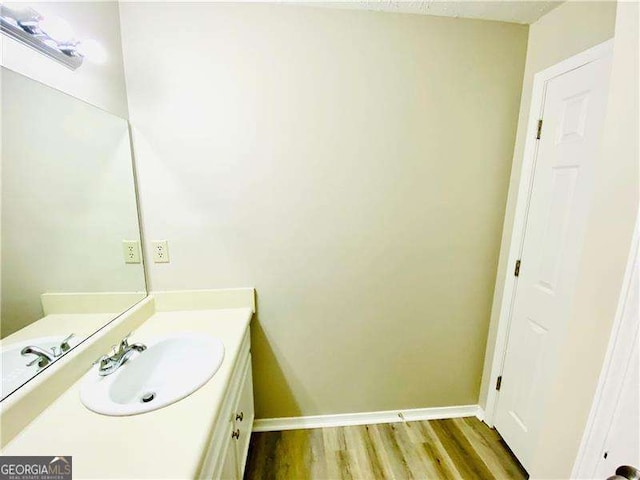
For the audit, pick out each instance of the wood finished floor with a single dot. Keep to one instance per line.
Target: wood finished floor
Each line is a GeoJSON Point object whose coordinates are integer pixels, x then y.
{"type": "Point", "coordinates": [461, 448]}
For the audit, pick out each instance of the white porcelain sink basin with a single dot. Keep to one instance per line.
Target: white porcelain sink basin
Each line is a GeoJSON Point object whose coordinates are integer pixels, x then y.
{"type": "Point", "coordinates": [170, 369]}
{"type": "Point", "coordinates": [15, 371]}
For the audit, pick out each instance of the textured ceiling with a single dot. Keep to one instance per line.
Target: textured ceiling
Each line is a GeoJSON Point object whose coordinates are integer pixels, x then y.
{"type": "Point", "coordinates": [506, 11]}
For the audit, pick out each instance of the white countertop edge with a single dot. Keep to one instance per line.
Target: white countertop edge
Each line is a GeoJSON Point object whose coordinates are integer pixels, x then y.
{"type": "Point", "coordinates": [184, 300]}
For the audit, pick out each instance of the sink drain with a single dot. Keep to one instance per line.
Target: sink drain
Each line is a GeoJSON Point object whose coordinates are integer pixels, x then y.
{"type": "Point", "coordinates": [147, 397]}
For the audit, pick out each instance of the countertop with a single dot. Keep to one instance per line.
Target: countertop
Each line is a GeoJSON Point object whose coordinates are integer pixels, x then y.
{"type": "Point", "coordinates": [166, 443]}
{"type": "Point", "coordinates": [80, 324]}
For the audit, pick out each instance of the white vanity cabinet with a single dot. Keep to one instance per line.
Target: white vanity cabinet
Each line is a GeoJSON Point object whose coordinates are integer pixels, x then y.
{"type": "Point", "coordinates": [227, 453]}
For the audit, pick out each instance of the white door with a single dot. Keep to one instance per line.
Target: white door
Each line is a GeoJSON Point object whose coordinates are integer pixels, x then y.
{"type": "Point", "coordinates": [573, 117]}
{"type": "Point", "coordinates": [622, 444]}
{"type": "Point", "coordinates": [612, 435]}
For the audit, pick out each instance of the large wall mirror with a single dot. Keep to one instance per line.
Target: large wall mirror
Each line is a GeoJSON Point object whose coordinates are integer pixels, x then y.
{"type": "Point", "coordinates": [70, 252]}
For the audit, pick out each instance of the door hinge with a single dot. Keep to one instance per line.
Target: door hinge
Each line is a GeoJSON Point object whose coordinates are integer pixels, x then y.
{"type": "Point", "coordinates": [517, 270]}
{"type": "Point", "coordinates": [539, 129]}
{"type": "Point", "coordinates": [498, 383]}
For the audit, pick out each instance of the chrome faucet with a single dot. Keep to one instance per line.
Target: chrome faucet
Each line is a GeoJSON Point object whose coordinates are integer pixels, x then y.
{"type": "Point", "coordinates": [110, 363]}
{"type": "Point", "coordinates": [43, 358]}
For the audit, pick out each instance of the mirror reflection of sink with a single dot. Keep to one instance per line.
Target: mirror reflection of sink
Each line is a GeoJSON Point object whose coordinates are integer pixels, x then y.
{"type": "Point", "coordinates": [15, 371]}
{"type": "Point", "coordinates": [170, 369]}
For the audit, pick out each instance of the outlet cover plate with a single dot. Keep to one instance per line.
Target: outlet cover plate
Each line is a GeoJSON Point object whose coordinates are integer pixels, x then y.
{"type": "Point", "coordinates": [160, 251]}
{"type": "Point", "coordinates": [131, 251]}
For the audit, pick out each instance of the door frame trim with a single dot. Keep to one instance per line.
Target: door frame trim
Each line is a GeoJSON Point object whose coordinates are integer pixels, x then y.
{"type": "Point", "coordinates": [540, 80]}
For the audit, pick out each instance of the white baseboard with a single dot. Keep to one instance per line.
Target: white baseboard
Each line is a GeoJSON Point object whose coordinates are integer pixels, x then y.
{"type": "Point", "coordinates": [365, 418]}
{"type": "Point", "coordinates": [480, 413]}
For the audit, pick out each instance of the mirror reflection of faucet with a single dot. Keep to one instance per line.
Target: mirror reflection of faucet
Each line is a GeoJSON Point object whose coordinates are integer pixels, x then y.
{"type": "Point", "coordinates": [43, 356]}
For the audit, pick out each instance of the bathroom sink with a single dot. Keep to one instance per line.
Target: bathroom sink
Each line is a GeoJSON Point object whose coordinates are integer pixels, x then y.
{"type": "Point", "coordinates": [170, 369]}
{"type": "Point", "coordinates": [15, 371]}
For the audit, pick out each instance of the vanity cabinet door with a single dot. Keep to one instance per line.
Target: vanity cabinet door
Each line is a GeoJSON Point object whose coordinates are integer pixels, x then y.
{"type": "Point", "coordinates": [229, 470]}
{"type": "Point", "coordinates": [226, 455]}
{"type": "Point", "coordinates": [244, 414]}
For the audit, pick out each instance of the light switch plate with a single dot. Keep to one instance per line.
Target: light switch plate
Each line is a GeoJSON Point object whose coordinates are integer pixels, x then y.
{"type": "Point", "coordinates": [160, 251]}
{"type": "Point", "coordinates": [131, 251]}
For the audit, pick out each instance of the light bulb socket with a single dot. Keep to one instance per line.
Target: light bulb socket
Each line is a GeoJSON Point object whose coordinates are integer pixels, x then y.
{"type": "Point", "coordinates": [30, 26]}
{"type": "Point", "coordinates": [69, 49]}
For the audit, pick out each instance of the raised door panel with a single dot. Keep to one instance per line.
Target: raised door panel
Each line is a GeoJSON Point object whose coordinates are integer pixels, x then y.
{"type": "Point", "coordinates": [244, 417]}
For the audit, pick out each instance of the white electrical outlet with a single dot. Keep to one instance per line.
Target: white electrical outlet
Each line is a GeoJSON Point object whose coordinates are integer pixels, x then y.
{"type": "Point", "coordinates": [160, 251]}
{"type": "Point", "coordinates": [131, 251]}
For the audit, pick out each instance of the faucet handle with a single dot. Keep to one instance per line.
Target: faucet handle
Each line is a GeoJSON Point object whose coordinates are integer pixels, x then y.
{"type": "Point", "coordinates": [102, 361]}
{"type": "Point", "coordinates": [113, 350]}
{"type": "Point", "coordinates": [64, 345]}
{"type": "Point", "coordinates": [37, 360]}
{"type": "Point", "coordinates": [124, 343]}
{"type": "Point", "coordinates": [41, 361]}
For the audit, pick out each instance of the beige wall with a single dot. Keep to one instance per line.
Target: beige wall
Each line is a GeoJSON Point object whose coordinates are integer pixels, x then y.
{"type": "Point", "coordinates": [565, 31]}
{"type": "Point", "coordinates": [101, 85]}
{"type": "Point", "coordinates": [608, 239]}
{"type": "Point", "coordinates": [352, 166]}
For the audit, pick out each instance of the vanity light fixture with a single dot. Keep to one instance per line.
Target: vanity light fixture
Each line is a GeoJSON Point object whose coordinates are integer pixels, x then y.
{"type": "Point", "coordinates": [52, 37]}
